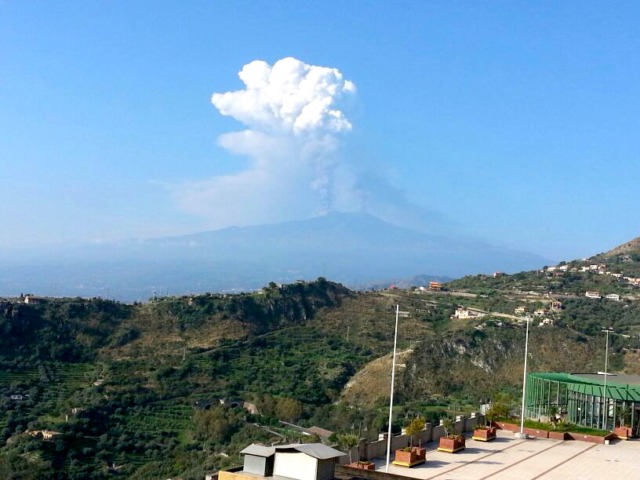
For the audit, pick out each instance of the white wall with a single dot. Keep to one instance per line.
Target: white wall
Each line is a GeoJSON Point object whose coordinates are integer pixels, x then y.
{"type": "Point", "coordinates": [295, 465]}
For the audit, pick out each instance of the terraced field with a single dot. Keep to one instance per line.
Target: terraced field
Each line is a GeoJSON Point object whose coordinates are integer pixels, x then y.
{"type": "Point", "coordinates": [64, 376]}
{"type": "Point", "coordinates": [26, 375]}
{"type": "Point", "coordinates": [58, 382]}
{"type": "Point", "coordinates": [159, 418]}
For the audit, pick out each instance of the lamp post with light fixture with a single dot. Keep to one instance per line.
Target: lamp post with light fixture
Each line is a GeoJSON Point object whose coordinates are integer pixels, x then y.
{"type": "Point", "coordinates": [393, 377]}
{"type": "Point", "coordinates": [605, 409]}
{"type": "Point", "coordinates": [521, 433]}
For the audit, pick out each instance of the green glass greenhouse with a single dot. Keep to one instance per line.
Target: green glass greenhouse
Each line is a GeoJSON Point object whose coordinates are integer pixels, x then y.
{"type": "Point", "coordinates": [581, 399]}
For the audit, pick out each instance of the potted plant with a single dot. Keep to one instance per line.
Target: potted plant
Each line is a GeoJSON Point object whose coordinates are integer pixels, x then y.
{"type": "Point", "coordinates": [347, 442]}
{"type": "Point", "coordinates": [414, 428]}
{"type": "Point", "coordinates": [363, 465]}
{"type": "Point", "coordinates": [622, 431]}
{"type": "Point", "coordinates": [487, 432]}
{"type": "Point", "coordinates": [410, 456]}
{"type": "Point", "coordinates": [450, 443]}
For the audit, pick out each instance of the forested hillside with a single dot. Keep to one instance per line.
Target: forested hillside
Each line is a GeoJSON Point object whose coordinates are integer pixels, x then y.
{"type": "Point", "coordinates": [135, 390]}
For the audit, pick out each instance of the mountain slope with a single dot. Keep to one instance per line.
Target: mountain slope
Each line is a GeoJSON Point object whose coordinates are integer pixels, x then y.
{"type": "Point", "coordinates": [355, 249]}
{"type": "Point", "coordinates": [312, 353]}
{"type": "Point", "coordinates": [630, 247]}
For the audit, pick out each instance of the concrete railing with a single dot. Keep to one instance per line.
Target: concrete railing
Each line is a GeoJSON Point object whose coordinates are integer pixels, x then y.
{"type": "Point", "coordinates": [378, 448]}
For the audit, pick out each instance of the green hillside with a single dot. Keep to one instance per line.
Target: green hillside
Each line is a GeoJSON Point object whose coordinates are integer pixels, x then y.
{"type": "Point", "coordinates": [134, 390]}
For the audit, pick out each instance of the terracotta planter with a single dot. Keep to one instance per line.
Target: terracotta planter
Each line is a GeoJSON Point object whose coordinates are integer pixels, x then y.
{"type": "Point", "coordinates": [511, 427]}
{"type": "Point", "coordinates": [558, 435]}
{"type": "Point", "coordinates": [581, 437]}
{"type": "Point", "coordinates": [623, 433]}
{"type": "Point", "coordinates": [590, 438]}
{"type": "Point", "coordinates": [484, 434]}
{"type": "Point", "coordinates": [421, 453]}
{"type": "Point", "coordinates": [363, 465]}
{"type": "Point", "coordinates": [413, 457]}
{"type": "Point", "coordinates": [451, 444]}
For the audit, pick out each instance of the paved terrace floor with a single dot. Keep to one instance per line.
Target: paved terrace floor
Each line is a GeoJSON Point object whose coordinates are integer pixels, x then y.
{"type": "Point", "coordinates": [511, 458]}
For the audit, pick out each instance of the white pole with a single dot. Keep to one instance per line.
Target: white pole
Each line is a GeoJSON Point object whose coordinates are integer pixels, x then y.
{"type": "Point", "coordinates": [605, 410]}
{"type": "Point", "coordinates": [524, 380]}
{"type": "Point", "coordinates": [393, 377]}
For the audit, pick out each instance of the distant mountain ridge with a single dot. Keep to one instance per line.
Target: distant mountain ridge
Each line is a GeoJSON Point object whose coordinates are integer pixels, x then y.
{"type": "Point", "coordinates": [354, 249]}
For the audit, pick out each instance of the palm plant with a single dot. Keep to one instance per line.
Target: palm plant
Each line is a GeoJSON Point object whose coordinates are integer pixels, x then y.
{"type": "Point", "coordinates": [448, 425]}
{"type": "Point", "coordinates": [623, 414]}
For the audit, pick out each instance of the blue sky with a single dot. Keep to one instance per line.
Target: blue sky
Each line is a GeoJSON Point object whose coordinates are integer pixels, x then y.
{"type": "Point", "coordinates": [517, 121]}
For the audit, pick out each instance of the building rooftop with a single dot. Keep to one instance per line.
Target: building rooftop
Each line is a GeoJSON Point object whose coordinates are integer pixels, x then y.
{"type": "Point", "coordinates": [619, 386]}
{"type": "Point", "coordinates": [615, 379]}
{"type": "Point", "coordinates": [619, 378]}
{"type": "Point", "coordinates": [321, 432]}
{"type": "Point", "coordinates": [315, 450]}
{"type": "Point", "coordinates": [510, 458]}
{"type": "Point", "coordinates": [258, 450]}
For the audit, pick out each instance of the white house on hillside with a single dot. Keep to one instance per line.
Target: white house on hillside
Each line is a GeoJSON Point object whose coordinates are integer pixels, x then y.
{"type": "Point", "coordinates": [467, 313]}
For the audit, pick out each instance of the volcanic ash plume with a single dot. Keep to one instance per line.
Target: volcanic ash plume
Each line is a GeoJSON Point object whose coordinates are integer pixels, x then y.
{"type": "Point", "coordinates": [291, 111]}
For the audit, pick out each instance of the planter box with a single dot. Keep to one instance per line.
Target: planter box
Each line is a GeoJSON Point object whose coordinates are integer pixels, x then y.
{"type": "Point", "coordinates": [516, 428]}
{"type": "Point", "coordinates": [536, 433]}
{"type": "Point", "coordinates": [558, 435]}
{"type": "Point", "coordinates": [484, 434]}
{"type": "Point", "coordinates": [510, 427]}
{"type": "Point", "coordinates": [363, 465]}
{"type": "Point", "coordinates": [624, 433]}
{"type": "Point", "coordinates": [420, 452]}
{"type": "Point", "coordinates": [451, 444]}
{"type": "Point", "coordinates": [581, 437]}
{"type": "Point", "coordinates": [416, 456]}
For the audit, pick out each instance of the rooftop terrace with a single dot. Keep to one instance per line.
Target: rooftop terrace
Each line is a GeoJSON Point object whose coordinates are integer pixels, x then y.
{"type": "Point", "coordinates": [511, 458]}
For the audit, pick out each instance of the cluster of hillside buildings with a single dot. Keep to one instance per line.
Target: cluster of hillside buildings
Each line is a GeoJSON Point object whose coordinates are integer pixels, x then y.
{"type": "Point", "coordinates": [543, 315]}
{"type": "Point", "coordinates": [597, 296]}
{"type": "Point", "coordinates": [432, 287]}
{"type": "Point", "coordinates": [595, 268]}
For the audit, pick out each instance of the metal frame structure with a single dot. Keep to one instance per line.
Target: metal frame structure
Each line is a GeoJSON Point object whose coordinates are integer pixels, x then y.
{"type": "Point", "coordinates": [582, 401]}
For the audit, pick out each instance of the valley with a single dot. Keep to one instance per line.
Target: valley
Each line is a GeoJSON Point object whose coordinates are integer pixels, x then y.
{"type": "Point", "coordinates": [178, 385]}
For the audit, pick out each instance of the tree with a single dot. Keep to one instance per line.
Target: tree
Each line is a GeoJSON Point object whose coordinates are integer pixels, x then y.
{"type": "Point", "coordinates": [213, 424]}
{"type": "Point", "coordinates": [267, 406]}
{"type": "Point", "coordinates": [347, 441]}
{"type": "Point", "coordinates": [289, 410]}
{"type": "Point", "coordinates": [500, 407]}
{"type": "Point", "coordinates": [415, 427]}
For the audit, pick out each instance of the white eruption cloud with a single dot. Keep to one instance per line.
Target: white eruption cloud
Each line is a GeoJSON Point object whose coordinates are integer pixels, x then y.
{"type": "Point", "coordinates": [294, 124]}
{"type": "Point", "coordinates": [289, 96]}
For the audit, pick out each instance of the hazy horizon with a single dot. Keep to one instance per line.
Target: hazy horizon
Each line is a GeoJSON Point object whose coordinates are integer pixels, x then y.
{"type": "Point", "coordinates": [511, 124]}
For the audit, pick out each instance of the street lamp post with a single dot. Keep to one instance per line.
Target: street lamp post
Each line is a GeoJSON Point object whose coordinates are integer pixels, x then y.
{"type": "Point", "coordinates": [521, 434]}
{"type": "Point", "coordinates": [605, 409]}
{"type": "Point", "coordinates": [393, 377]}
